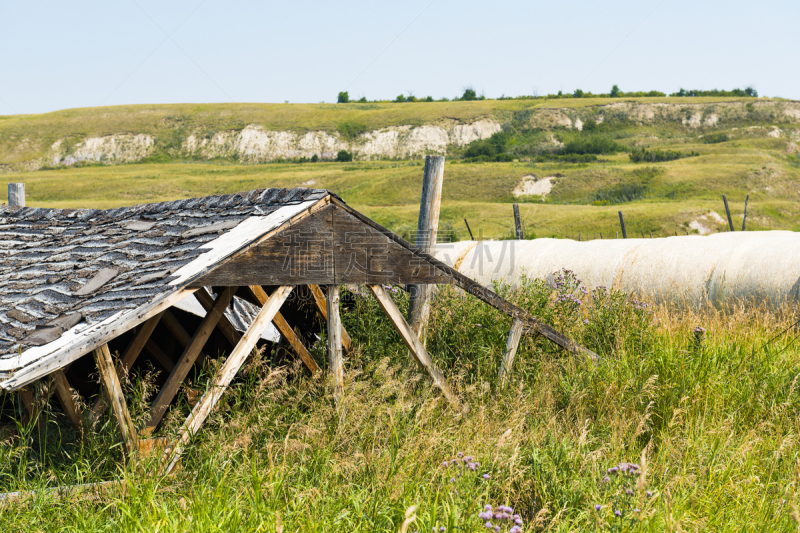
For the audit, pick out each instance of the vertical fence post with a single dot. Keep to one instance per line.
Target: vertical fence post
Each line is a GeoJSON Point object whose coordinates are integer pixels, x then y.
{"type": "Point", "coordinates": [744, 220]}
{"type": "Point", "coordinates": [16, 194]}
{"type": "Point", "coordinates": [517, 222]}
{"type": "Point", "coordinates": [427, 228]}
{"type": "Point", "coordinates": [728, 211]}
{"type": "Point", "coordinates": [469, 230]}
{"type": "Point", "coordinates": [622, 224]}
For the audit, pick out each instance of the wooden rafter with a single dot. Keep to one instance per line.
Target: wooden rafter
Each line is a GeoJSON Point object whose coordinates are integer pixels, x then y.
{"type": "Point", "coordinates": [225, 374]}
{"type": "Point", "coordinates": [64, 392]}
{"type": "Point", "coordinates": [286, 330]}
{"type": "Point", "coordinates": [187, 359]}
{"type": "Point", "coordinates": [514, 337]}
{"type": "Point", "coordinates": [412, 342]}
{"type": "Point", "coordinates": [128, 358]}
{"type": "Point", "coordinates": [113, 391]}
{"type": "Point", "coordinates": [322, 307]}
{"type": "Point", "coordinates": [224, 325]}
{"type": "Point", "coordinates": [179, 332]}
{"type": "Point", "coordinates": [335, 359]}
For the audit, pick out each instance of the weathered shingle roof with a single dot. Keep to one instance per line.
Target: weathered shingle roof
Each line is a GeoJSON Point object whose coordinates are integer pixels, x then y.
{"type": "Point", "coordinates": [54, 259]}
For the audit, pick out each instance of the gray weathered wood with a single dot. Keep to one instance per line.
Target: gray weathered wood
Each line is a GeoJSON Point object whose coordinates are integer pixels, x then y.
{"type": "Point", "coordinates": [225, 374]}
{"type": "Point", "coordinates": [187, 359]}
{"type": "Point", "coordinates": [224, 325]}
{"type": "Point", "coordinates": [16, 194]}
{"type": "Point", "coordinates": [103, 276]}
{"type": "Point", "coordinates": [453, 276]}
{"type": "Point", "coordinates": [286, 330]}
{"type": "Point", "coordinates": [427, 230]}
{"type": "Point", "coordinates": [322, 306]}
{"type": "Point", "coordinates": [113, 391]}
{"type": "Point", "coordinates": [622, 225]}
{"type": "Point", "coordinates": [64, 393]}
{"type": "Point", "coordinates": [335, 359]}
{"type": "Point", "coordinates": [518, 223]}
{"type": "Point", "coordinates": [128, 358]}
{"type": "Point", "coordinates": [514, 337]}
{"type": "Point", "coordinates": [728, 212]}
{"type": "Point", "coordinates": [744, 219]}
{"type": "Point", "coordinates": [412, 341]}
{"type": "Point", "coordinates": [328, 247]}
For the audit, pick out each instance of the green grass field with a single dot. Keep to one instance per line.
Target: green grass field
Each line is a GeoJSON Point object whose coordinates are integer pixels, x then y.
{"type": "Point", "coordinates": [710, 418]}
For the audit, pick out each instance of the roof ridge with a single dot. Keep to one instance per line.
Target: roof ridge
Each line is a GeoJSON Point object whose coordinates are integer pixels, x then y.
{"type": "Point", "coordinates": [253, 197]}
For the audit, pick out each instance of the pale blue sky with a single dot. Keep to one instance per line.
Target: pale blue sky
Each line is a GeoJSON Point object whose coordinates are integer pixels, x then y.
{"type": "Point", "coordinates": [58, 55]}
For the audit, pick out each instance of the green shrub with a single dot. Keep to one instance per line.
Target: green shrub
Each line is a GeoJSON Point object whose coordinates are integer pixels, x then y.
{"type": "Point", "coordinates": [592, 144]}
{"type": "Point", "coordinates": [716, 138]}
{"type": "Point", "coordinates": [400, 99]}
{"type": "Point", "coordinates": [344, 156]}
{"type": "Point", "coordinates": [350, 129]}
{"type": "Point", "coordinates": [343, 98]}
{"type": "Point", "coordinates": [615, 92]}
{"type": "Point", "coordinates": [314, 158]}
{"type": "Point", "coordinates": [619, 193]}
{"type": "Point", "coordinates": [642, 155]}
{"type": "Point", "coordinates": [469, 94]}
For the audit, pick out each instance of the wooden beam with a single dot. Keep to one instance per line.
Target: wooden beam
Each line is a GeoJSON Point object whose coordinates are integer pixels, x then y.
{"type": "Point", "coordinates": [412, 341]}
{"type": "Point", "coordinates": [159, 355]}
{"type": "Point", "coordinates": [518, 223]}
{"type": "Point", "coordinates": [64, 392]}
{"type": "Point", "coordinates": [226, 373]}
{"type": "Point", "coordinates": [336, 362]}
{"type": "Point", "coordinates": [514, 337]}
{"type": "Point", "coordinates": [187, 359]}
{"type": "Point", "coordinates": [29, 403]}
{"type": "Point", "coordinates": [224, 325]}
{"type": "Point", "coordinates": [179, 332]}
{"type": "Point", "coordinates": [113, 391]}
{"type": "Point", "coordinates": [286, 330]}
{"type": "Point", "coordinates": [128, 358]}
{"type": "Point", "coordinates": [322, 306]}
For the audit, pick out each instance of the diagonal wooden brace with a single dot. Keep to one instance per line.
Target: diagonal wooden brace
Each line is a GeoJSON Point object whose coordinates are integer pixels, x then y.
{"type": "Point", "coordinates": [412, 341]}
{"type": "Point", "coordinates": [225, 375]}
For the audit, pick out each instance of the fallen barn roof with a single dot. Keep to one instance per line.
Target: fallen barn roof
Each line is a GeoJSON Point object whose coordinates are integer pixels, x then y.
{"type": "Point", "coordinates": [65, 272]}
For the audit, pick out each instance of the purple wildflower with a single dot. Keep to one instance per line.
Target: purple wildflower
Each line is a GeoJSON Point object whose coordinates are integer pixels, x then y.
{"type": "Point", "coordinates": [486, 476]}
{"type": "Point", "coordinates": [636, 510]}
{"type": "Point", "coordinates": [598, 507]}
{"type": "Point", "coordinates": [487, 507]}
{"type": "Point", "coordinates": [618, 512]}
{"type": "Point", "coordinates": [649, 494]}
{"type": "Point", "coordinates": [488, 525]}
{"type": "Point", "coordinates": [452, 480]}
{"type": "Point", "coordinates": [629, 492]}
{"type": "Point", "coordinates": [606, 479]}
{"type": "Point", "coordinates": [460, 454]}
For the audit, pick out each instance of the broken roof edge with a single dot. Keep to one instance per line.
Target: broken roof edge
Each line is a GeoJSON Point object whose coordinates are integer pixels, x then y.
{"type": "Point", "coordinates": [39, 361]}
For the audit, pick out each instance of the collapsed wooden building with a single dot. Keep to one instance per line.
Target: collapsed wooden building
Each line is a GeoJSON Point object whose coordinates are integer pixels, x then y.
{"type": "Point", "coordinates": [173, 284]}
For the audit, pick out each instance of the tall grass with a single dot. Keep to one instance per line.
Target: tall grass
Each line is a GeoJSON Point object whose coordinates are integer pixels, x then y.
{"type": "Point", "coordinates": [704, 402]}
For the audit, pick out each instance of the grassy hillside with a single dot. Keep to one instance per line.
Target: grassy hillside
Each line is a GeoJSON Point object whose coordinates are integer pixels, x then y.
{"type": "Point", "coordinates": [753, 153]}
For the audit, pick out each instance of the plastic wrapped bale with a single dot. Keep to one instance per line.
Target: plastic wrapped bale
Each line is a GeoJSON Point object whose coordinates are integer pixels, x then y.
{"type": "Point", "coordinates": [721, 269]}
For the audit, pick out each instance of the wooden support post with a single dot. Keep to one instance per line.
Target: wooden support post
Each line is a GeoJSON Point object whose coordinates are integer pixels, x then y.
{"type": "Point", "coordinates": [469, 230]}
{"type": "Point", "coordinates": [579, 236]}
{"type": "Point", "coordinates": [113, 391]}
{"type": "Point", "coordinates": [514, 337]}
{"type": "Point", "coordinates": [728, 212]}
{"type": "Point", "coordinates": [32, 410]}
{"type": "Point", "coordinates": [64, 392]}
{"type": "Point", "coordinates": [226, 373]}
{"type": "Point", "coordinates": [187, 359]}
{"type": "Point", "coordinates": [622, 224]}
{"type": "Point", "coordinates": [744, 220]}
{"type": "Point", "coordinates": [16, 194]}
{"type": "Point", "coordinates": [128, 358]}
{"type": "Point", "coordinates": [412, 342]}
{"type": "Point", "coordinates": [517, 223]}
{"type": "Point", "coordinates": [322, 307]}
{"type": "Point", "coordinates": [286, 330]}
{"type": "Point", "coordinates": [336, 362]}
{"type": "Point", "coordinates": [427, 228]}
